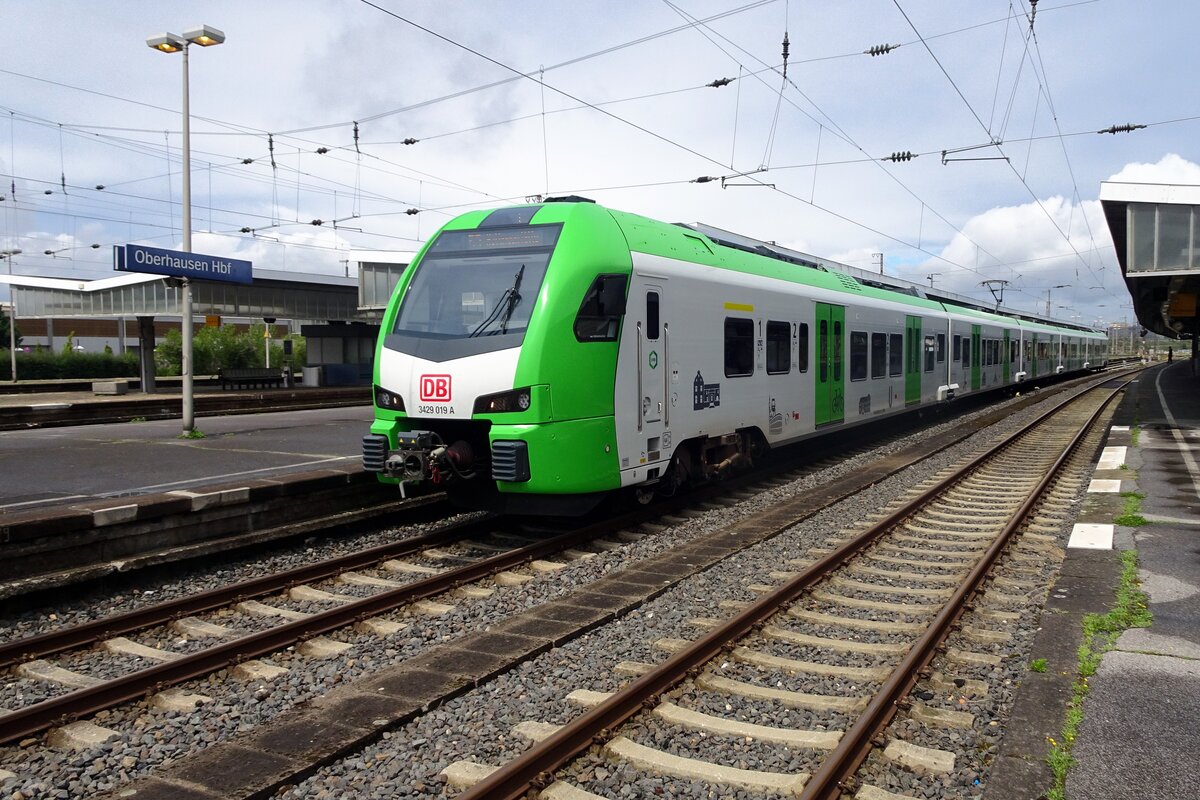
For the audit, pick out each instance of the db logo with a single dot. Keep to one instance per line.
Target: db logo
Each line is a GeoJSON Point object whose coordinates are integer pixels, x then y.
{"type": "Point", "coordinates": [435, 387]}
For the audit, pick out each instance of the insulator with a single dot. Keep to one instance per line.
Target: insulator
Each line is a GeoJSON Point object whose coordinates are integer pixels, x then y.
{"type": "Point", "coordinates": [719, 82]}
{"type": "Point", "coordinates": [413, 211]}
{"type": "Point", "coordinates": [881, 49]}
{"type": "Point", "coordinates": [1126, 128]}
{"type": "Point", "coordinates": [247, 160]}
{"type": "Point", "coordinates": [410, 140]}
{"type": "Point", "coordinates": [703, 179]}
{"type": "Point", "coordinates": [322, 151]}
{"type": "Point", "coordinates": [318, 222]}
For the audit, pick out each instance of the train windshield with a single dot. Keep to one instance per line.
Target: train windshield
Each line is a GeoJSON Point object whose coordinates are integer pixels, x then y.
{"type": "Point", "coordinates": [474, 291]}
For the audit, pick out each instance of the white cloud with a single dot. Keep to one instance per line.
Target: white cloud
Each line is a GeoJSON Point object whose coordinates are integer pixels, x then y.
{"type": "Point", "coordinates": [1171, 168]}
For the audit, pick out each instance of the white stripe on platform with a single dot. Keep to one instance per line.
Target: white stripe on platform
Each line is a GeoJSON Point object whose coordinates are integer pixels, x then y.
{"type": "Point", "coordinates": [1185, 451]}
{"type": "Point", "coordinates": [1101, 485]}
{"type": "Point", "coordinates": [1119, 429]}
{"type": "Point", "coordinates": [1091, 536]}
{"type": "Point", "coordinates": [1112, 458]}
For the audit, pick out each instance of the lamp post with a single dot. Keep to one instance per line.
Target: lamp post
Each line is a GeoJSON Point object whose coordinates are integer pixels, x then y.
{"type": "Point", "coordinates": [1060, 286]}
{"type": "Point", "coordinates": [7, 255]}
{"type": "Point", "coordinates": [204, 36]}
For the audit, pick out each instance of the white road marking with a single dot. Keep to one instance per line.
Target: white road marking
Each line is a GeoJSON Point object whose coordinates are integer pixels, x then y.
{"type": "Point", "coordinates": [1189, 460]}
{"type": "Point", "coordinates": [1091, 536]}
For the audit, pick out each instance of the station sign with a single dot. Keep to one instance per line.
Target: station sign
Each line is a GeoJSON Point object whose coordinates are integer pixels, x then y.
{"type": "Point", "coordinates": [178, 264]}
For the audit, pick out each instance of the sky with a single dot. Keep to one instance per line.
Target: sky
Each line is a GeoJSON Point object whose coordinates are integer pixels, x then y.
{"type": "Point", "coordinates": [323, 127]}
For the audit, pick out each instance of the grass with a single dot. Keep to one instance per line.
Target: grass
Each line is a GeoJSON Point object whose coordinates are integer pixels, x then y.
{"type": "Point", "coordinates": [1131, 516]}
{"type": "Point", "coordinates": [1134, 434]}
{"type": "Point", "coordinates": [194, 433]}
{"type": "Point", "coordinates": [137, 419]}
{"type": "Point", "coordinates": [1037, 665]}
{"type": "Point", "coordinates": [1100, 632]}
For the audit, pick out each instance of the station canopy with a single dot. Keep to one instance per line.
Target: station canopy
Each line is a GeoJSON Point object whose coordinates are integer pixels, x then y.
{"type": "Point", "coordinates": [283, 295]}
{"type": "Point", "coordinates": [1156, 232]}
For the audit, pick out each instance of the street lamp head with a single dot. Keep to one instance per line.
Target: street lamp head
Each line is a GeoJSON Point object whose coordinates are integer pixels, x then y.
{"type": "Point", "coordinates": [166, 42]}
{"type": "Point", "coordinates": [204, 35]}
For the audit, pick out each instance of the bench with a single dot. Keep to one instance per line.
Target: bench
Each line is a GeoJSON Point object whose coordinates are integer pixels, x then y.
{"type": "Point", "coordinates": [248, 377]}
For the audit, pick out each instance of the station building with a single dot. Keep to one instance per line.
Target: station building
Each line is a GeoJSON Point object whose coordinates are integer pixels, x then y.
{"type": "Point", "coordinates": [338, 316]}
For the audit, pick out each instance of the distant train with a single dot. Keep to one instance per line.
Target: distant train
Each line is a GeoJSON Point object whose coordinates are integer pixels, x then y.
{"type": "Point", "coordinates": [536, 358]}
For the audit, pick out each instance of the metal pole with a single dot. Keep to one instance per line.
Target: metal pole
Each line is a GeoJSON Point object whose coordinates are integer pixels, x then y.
{"type": "Point", "coordinates": [12, 324]}
{"type": "Point", "coordinates": [186, 366]}
{"type": "Point", "coordinates": [12, 315]}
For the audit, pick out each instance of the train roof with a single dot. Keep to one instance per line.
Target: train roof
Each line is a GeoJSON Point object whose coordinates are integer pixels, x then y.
{"type": "Point", "coordinates": [951, 300]}
{"type": "Point", "coordinates": [716, 247]}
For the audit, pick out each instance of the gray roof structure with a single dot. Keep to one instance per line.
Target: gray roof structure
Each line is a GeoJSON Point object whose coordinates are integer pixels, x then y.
{"type": "Point", "coordinates": [1156, 232]}
{"type": "Point", "coordinates": [283, 295]}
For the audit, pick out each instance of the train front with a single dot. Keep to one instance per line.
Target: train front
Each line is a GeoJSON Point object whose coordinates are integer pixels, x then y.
{"type": "Point", "coordinates": [496, 359]}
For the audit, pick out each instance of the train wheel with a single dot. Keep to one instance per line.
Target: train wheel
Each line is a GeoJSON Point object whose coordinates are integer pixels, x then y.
{"type": "Point", "coordinates": [643, 495]}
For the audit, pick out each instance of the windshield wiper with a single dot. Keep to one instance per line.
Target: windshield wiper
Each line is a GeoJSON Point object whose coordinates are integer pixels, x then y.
{"type": "Point", "coordinates": [504, 307]}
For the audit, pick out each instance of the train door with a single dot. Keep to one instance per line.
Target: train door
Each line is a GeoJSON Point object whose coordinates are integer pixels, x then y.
{"type": "Point", "coordinates": [976, 356]}
{"type": "Point", "coordinates": [912, 360]}
{"type": "Point", "coordinates": [652, 368]}
{"type": "Point", "coordinates": [1033, 355]}
{"type": "Point", "coordinates": [830, 383]}
{"type": "Point", "coordinates": [1006, 356]}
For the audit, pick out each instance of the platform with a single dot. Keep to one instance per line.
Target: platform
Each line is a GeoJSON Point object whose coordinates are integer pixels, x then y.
{"type": "Point", "coordinates": [133, 444]}
{"type": "Point", "coordinates": [1137, 738]}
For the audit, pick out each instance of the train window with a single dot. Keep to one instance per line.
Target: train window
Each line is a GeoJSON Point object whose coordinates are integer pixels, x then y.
{"type": "Point", "coordinates": [966, 354]}
{"type": "Point", "coordinates": [1012, 352]}
{"type": "Point", "coordinates": [895, 354]}
{"type": "Point", "coordinates": [957, 354]}
{"type": "Point", "coordinates": [930, 352]}
{"type": "Point", "coordinates": [739, 347]}
{"type": "Point", "coordinates": [858, 355]}
{"type": "Point", "coordinates": [652, 331]}
{"type": "Point", "coordinates": [599, 315]}
{"type": "Point", "coordinates": [878, 355]}
{"type": "Point", "coordinates": [837, 350]}
{"type": "Point", "coordinates": [823, 350]}
{"type": "Point", "coordinates": [941, 347]}
{"type": "Point", "coordinates": [779, 348]}
{"type": "Point", "coordinates": [802, 347]}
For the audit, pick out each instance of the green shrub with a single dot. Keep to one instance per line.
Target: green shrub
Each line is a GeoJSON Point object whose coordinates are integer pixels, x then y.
{"type": "Point", "coordinates": [214, 348]}
{"type": "Point", "coordinates": [41, 365]}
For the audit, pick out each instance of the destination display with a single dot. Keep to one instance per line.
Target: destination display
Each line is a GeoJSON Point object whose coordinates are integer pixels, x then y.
{"type": "Point", "coordinates": [178, 264]}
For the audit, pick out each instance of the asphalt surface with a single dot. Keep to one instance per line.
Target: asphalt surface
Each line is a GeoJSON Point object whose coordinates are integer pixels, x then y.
{"type": "Point", "coordinates": [1138, 737]}
{"type": "Point", "coordinates": [50, 466]}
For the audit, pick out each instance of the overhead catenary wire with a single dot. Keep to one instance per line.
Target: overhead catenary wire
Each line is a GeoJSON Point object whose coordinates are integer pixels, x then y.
{"type": "Point", "coordinates": [967, 103]}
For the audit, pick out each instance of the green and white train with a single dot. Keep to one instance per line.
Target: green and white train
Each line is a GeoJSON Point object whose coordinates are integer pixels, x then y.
{"type": "Point", "coordinates": [537, 358]}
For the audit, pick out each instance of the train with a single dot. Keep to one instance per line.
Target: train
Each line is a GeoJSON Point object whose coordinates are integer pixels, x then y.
{"type": "Point", "coordinates": [540, 358]}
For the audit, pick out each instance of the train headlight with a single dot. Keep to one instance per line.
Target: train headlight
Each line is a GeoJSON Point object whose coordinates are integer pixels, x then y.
{"type": "Point", "coordinates": [504, 402]}
{"type": "Point", "coordinates": [389, 400]}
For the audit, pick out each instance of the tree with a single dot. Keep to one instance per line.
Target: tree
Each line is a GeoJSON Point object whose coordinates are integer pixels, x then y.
{"type": "Point", "coordinates": [4, 331]}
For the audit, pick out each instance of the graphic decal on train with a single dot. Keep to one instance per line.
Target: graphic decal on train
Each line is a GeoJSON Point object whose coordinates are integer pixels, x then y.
{"type": "Point", "coordinates": [705, 395]}
{"type": "Point", "coordinates": [774, 419]}
{"type": "Point", "coordinates": [435, 388]}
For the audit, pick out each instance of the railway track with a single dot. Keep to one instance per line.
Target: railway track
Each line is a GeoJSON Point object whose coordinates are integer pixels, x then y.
{"type": "Point", "coordinates": [890, 596]}
{"type": "Point", "coordinates": [298, 588]}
